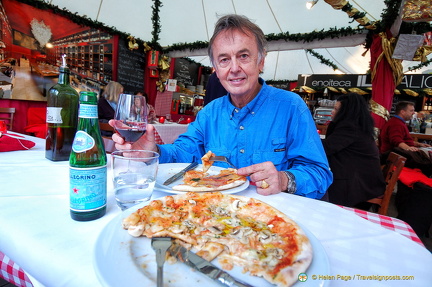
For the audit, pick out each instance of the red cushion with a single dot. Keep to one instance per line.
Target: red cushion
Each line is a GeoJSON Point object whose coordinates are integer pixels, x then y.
{"type": "Point", "coordinates": [38, 130]}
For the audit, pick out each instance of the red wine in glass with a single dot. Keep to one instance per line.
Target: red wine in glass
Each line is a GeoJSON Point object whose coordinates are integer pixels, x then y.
{"type": "Point", "coordinates": [131, 117]}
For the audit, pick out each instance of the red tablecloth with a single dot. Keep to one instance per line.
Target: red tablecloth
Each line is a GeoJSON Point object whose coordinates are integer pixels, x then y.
{"type": "Point", "coordinates": [12, 273]}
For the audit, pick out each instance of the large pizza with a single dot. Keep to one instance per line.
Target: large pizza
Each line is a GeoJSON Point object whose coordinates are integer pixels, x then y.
{"type": "Point", "coordinates": [237, 230]}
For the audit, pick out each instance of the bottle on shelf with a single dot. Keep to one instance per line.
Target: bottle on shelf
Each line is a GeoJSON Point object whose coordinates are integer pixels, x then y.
{"type": "Point", "coordinates": [62, 115]}
{"type": "Point", "coordinates": [88, 164]}
{"type": "Point", "coordinates": [415, 124]}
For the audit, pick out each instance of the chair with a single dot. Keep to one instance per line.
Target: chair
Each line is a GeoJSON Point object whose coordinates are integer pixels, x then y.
{"type": "Point", "coordinates": [107, 140]}
{"type": "Point", "coordinates": [8, 115]}
{"type": "Point", "coordinates": [391, 171]}
{"type": "Point", "coordinates": [36, 122]}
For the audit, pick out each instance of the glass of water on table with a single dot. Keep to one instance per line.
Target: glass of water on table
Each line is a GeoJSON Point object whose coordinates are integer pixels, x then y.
{"type": "Point", "coordinates": [134, 176]}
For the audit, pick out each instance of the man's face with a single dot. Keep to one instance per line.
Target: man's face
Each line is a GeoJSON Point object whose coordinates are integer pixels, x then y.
{"type": "Point", "coordinates": [408, 112]}
{"type": "Point", "coordinates": [235, 57]}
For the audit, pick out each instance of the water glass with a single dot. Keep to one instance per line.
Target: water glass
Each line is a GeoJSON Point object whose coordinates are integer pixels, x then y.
{"type": "Point", "coordinates": [134, 176]}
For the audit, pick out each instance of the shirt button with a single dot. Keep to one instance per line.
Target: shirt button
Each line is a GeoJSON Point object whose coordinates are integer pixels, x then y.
{"type": "Point", "coordinates": [236, 110]}
{"type": "Point", "coordinates": [242, 151]}
{"type": "Point", "coordinates": [241, 127]}
{"type": "Point", "coordinates": [253, 113]}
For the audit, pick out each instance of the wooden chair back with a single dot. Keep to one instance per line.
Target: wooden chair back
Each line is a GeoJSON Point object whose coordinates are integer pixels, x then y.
{"type": "Point", "coordinates": [107, 140]}
{"type": "Point", "coordinates": [391, 171]}
{"type": "Point", "coordinates": [105, 127]}
{"type": "Point", "coordinates": [8, 115]}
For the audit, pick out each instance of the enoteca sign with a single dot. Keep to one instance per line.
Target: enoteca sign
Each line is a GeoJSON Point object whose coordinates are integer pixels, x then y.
{"type": "Point", "coordinates": [414, 81]}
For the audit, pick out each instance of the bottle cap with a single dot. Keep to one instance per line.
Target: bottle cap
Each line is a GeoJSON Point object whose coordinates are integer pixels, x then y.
{"type": "Point", "coordinates": [63, 61]}
{"type": "Point", "coordinates": [64, 67]}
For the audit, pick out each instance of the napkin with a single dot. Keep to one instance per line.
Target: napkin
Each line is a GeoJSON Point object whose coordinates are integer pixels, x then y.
{"type": "Point", "coordinates": [11, 142]}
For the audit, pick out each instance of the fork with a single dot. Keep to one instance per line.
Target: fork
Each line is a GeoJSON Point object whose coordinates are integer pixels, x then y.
{"type": "Point", "coordinates": [223, 159]}
{"type": "Point", "coordinates": [160, 246]}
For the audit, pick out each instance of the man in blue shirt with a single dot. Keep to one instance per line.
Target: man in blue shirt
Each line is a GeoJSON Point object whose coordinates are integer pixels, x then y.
{"type": "Point", "coordinates": [266, 132]}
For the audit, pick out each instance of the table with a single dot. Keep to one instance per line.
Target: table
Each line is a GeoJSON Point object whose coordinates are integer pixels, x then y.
{"type": "Point", "coordinates": [37, 233]}
{"type": "Point", "coordinates": [169, 132]}
{"type": "Point", "coordinates": [418, 136]}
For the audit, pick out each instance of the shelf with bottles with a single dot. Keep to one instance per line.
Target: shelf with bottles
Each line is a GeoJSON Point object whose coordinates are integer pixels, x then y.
{"type": "Point", "coordinates": [89, 60]}
{"type": "Point", "coordinates": [427, 103]}
{"type": "Point", "coordinates": [87, 36]}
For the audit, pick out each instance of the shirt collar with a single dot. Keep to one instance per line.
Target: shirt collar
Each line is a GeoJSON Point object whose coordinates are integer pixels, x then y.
{"type": "Point", "coordinates": [253, 106]}
{"type": "Point", "coordinates": [399, 117]}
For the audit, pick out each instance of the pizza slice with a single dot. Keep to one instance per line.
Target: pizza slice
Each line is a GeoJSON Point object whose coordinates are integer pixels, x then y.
{"type": "Point", "coordinates": [199, 181]}
{"type": "Point", "coordinates": [206, 160]}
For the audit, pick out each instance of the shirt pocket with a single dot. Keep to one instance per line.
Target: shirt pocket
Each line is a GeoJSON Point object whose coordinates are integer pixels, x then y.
{"type": "Point", "coordinates": [274, 152]}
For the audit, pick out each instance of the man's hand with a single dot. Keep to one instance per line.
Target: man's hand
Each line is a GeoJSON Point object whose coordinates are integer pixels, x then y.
{"type": "Point", "coordinates": [423, 145]}
{"type": "Point", "coordinates": [146, 142]}
{"type": "Point", "coordinates": [267, 172]}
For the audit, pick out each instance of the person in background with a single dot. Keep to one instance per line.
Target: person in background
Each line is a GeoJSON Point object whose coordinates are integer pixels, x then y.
{"type": "Point", "coordinates": [151, 113]}
{"type": "Point", "coordinates": [107, 102]}
{"type": "Point", "coordinates": [353, 154]}
{"type": "Point", "coordinates": [395, 131]}
{"type": "Point", "coordinates": [268, 133]}
{"type": "Point", "coordinates": [214, 89]}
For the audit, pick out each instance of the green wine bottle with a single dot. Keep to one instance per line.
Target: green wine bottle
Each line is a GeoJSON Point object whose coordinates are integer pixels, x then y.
{"type": "Point", "coordinates": [88, 164]}
{"type": "Point", "coordinates": [62, 114]}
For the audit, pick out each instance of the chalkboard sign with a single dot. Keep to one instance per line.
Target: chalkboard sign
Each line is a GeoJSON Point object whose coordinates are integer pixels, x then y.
{"type": "Point", "coordinates": [130, 68]}
{"type": "Point", "coordinates": [186, 72]}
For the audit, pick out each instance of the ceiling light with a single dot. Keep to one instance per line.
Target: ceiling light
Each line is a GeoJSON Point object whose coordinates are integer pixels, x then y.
{"type": "Point", "coordinates": [310, 4]}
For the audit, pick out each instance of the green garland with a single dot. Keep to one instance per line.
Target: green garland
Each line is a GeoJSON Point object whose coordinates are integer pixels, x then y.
{"type": "Point", "coordinates": [85, 21]}
{"type": "Point", "coordinates": [309, 37]}
{"type": "Point", "coordinates": [421, 65]}
{"type": "Point", "coordinates": [156, 23]}
{"type": "Point", "coordinates": [322, 59]}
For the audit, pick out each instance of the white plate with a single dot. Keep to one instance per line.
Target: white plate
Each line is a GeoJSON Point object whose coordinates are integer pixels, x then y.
{"type": "Point", "coordinates": [166, 170]}
{"type": "Point", "coordinates": [122, 260]}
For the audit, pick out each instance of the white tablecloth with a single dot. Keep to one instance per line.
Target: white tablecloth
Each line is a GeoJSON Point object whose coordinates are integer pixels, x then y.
{"type": "Point", "coordinates": [37, 232]}
{"type": "Point", "coordinates": [170, 132]}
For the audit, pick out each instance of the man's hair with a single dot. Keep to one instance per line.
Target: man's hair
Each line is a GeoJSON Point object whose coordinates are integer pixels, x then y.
{"type": "Point", "coordinates": [402, 105]}
{"type": "Point", "coordinates": [243, 24]}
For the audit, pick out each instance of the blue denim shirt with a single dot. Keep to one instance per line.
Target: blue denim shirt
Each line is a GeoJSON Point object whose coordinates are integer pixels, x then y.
{"type": "Point", "coordinates": [275, 126]}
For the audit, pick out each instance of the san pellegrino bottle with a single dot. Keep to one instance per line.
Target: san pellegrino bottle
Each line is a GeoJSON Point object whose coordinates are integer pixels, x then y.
{"type": "Point", "coordinates": [62, 115]}
{"type": "Point", "coordinates": [88, 164]}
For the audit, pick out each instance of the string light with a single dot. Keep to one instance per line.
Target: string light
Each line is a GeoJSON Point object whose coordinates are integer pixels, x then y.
{"type": "Point", "coordinates": [310, 4]}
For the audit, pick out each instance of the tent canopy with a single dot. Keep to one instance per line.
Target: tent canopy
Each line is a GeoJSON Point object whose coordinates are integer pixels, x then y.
{"type": "Point", "coordinates": [189, 21]}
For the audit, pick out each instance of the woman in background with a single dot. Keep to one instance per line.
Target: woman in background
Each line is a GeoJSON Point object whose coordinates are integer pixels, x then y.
{"type": "Point", "coordinates": [353, 154]}
{"type": "Point", "coordinates": [107, 102]}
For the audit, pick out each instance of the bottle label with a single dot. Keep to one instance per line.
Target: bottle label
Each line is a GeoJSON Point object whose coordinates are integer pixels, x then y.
{"type": "Point", "coordinates": [54, 115]}
{"type": "Point", "coordinates": [88, 111]}
{"type": "Point", "coordinates": [82, 142]}
{"type": "Point", "coordinates": [88, 188]}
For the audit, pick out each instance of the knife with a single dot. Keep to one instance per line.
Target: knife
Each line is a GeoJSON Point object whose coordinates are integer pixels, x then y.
{"type": "Point", "coordinates": [205, 267]}
{"type": "Point", "coordinates": [180, 174]}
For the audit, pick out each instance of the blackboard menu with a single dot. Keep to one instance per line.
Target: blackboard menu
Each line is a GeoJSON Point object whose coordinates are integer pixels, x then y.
{"type": "Point", "coordinates": [186, 72]}
{"type": "Point", "coordinates": [130, 68]}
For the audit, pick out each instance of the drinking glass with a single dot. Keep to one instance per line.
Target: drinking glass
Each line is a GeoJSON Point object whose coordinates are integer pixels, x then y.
{"type": "Point", "coordinates": [131, 117]}
{"type": "Point", "coordinates": [134, 176]}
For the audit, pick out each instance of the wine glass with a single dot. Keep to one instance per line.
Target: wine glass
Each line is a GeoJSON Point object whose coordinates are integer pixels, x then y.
{"type": "Point", "coordinates": [131, 117]}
